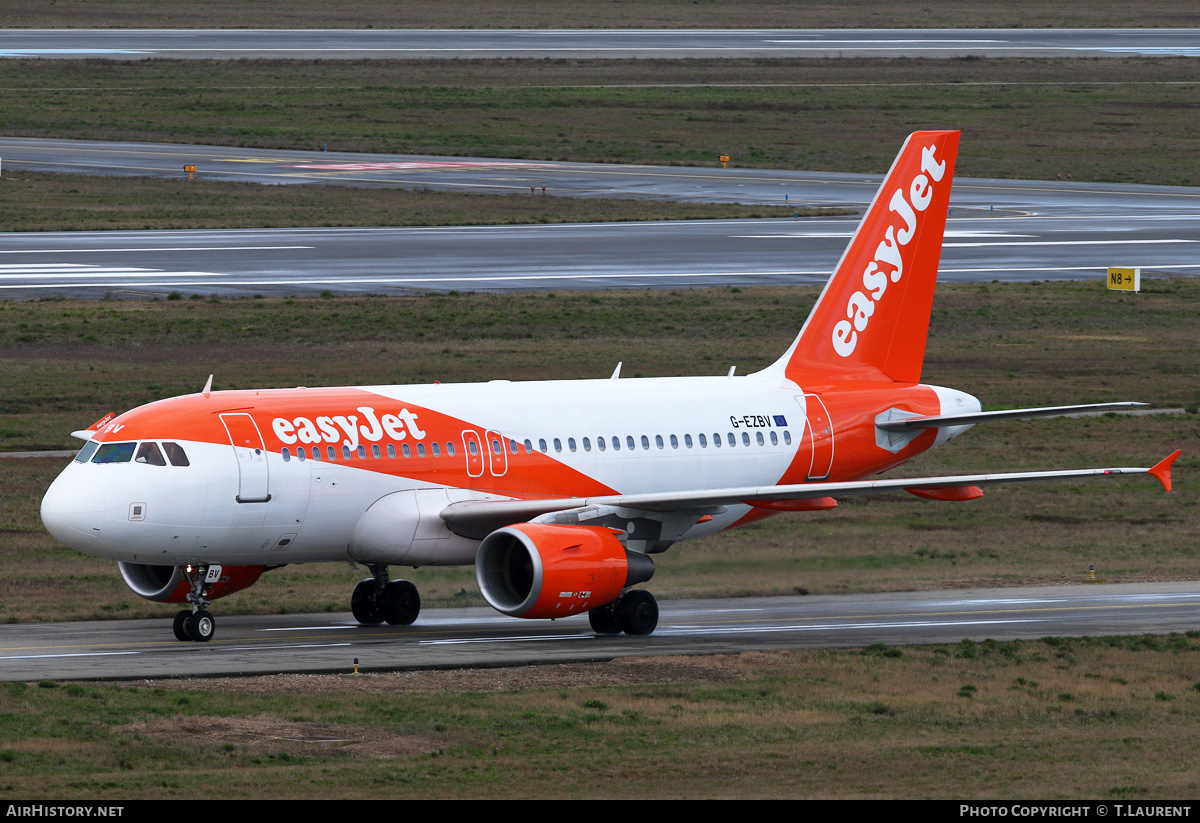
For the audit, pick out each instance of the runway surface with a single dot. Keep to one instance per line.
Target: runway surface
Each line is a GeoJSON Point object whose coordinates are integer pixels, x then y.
{"type": "Point", "coordinates": [457, 638]}
{"type": "Point", "coordinates": [356, 44]}
{"type": "Point", "coordinates": [998, 229]}
{"type": "Point", "coordinates": [980, 247]}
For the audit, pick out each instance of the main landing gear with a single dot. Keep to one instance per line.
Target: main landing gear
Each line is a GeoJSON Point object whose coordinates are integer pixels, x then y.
{"type": "Point", "coordinates": [635, 612]}
{"type": "Point", "coordinates": [376, 600]}
{"type": "Point", "coordinates": [197, 624]}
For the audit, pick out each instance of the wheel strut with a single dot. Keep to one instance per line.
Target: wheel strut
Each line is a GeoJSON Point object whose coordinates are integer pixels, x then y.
{"type": "Point", "coordinates": [197, 624]}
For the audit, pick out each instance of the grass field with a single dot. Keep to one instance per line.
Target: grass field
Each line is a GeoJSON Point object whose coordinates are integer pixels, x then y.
{"type": "Point", "coordinates": [1110, 718]}
{"type": "Point", "coordinates": [594, 14]}
{"type": "Point", "coordinates": [1123, 119]}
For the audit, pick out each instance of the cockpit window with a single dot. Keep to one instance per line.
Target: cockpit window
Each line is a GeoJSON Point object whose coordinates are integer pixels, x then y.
{"type": "Point", "coordinates": [85, 454]}
{"type": "Point", "coordinates": [176, 454]}
{"type": "Point", "coordinates": [114, 453]}
{"type": "Point", "coordinates": [149, 453]}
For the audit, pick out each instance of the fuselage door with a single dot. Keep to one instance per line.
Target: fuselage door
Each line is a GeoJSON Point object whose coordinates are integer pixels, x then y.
{"type": "Point", "coordinates": [473, 452]}
{"type": "Point", "coordinates": [820, 432]}
{"type": "Point", "coordinates": [497, 455]}
{"type": "Point", "coordinates": [247, 442]}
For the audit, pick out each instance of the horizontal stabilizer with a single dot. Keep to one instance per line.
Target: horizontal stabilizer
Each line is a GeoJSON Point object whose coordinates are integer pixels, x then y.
{"type": "Point", "coordinates": [971, 418]}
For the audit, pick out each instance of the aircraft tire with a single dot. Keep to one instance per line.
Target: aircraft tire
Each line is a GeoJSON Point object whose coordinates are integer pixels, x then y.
{"type": "Point", "coordinates": [400, 603]}
{"type": "Point", "coordinates": [638, 613]}
{"type": "Point", "coordinates": [183, 625]}
{"type": "Point", "coordinates": [364, 604]}
{"type": "Point", "coordinates": [203, 626]}
{"type": "Point", "coordinates": [604, 620]}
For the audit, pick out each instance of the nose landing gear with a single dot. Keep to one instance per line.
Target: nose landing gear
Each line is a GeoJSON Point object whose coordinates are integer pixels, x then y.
{"type": "Point", "coordinates": [197, 624]}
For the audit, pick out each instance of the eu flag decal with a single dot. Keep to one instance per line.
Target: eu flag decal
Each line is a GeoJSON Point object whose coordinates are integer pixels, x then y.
{"type": "Point", "coordinates": [780, 420]}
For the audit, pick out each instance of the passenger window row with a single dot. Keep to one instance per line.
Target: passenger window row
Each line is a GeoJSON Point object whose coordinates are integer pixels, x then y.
{"type": "Point", "coordinates": [601, 443]}
{"type": "Point", "coordinates": [331, 452]}
{"type": "Point", "coordinates": [631, 444]}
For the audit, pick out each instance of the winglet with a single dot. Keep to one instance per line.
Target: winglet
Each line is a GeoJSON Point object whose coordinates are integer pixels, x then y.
{"type": "Point", "coordinates": [103, 421]}
{"type": "Point", "coordinates": [1162, 471]}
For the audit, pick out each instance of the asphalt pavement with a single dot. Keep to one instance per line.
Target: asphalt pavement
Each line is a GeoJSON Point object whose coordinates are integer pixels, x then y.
{"type": "Point", "coordinates": [358, 44]}
{"type": "Point", "coordinates": [455, 638]}
{"type": "Point", "coordinates": [1008, 230]}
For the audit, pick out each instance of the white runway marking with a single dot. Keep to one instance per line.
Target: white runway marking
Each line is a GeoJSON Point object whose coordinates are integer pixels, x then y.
{"type": "Point", "coordinates": [1149, 50]}
{"type": "Point", "coordinates": [1006, 602]}
{"type": "Point", "coordinates": [530, 638]}
{"type": "Point", "coordinates": [1066, 243]}
{"type": "Point", "coordinates": [484, 279]}
{"type": "Point", "coordinates": [709, 630]}
{"type": "Point", "coordinates": [152, 249]}
{"type": "Point", "coordinates": [999, 240]}
{"type": "Point", "coordinates": [289, 646]}
{"type": "Point", "coordinates": [61, 271]}
{"type": "Point", "coordinates": [72, 654]}
{"type": "Point", "coordinates": [823, 627]}
{"type": "Point", "coordinates": [875, 42]}
{"type": "Point", "coordinates": [59, 52]}
{"type": "Point", "coordinates": [406, 165]}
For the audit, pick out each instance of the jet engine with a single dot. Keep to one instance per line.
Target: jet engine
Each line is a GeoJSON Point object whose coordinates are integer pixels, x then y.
{"type": "Point", "coordinates": [169, 584]}
{"type": "Point", "coordinates": [536, 570]}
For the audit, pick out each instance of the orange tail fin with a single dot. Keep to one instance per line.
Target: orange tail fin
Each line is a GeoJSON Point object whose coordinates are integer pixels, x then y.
{"type": "Point", "coordinates": [873, 316]}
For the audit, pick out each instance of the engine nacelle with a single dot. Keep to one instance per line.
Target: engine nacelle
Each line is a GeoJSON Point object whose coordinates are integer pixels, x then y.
{"type": "Point", "coordinates": [168, 584]}
{"type": "Point", "coordinates": [536, 570]}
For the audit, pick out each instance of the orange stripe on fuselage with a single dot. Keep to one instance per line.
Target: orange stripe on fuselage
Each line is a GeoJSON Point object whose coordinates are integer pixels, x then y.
{"type": "Point", "coordinates": [349, 416]}
{"type": "Point", "coordinates": [853, 406]}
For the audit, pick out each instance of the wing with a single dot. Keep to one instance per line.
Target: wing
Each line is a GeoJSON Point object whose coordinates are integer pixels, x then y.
{"type": "Point", "coordinates": [478, 518]}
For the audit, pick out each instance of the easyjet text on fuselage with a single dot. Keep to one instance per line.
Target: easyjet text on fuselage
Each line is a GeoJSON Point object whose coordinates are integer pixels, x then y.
{"type": "Point", "coordinates": [347, 429]}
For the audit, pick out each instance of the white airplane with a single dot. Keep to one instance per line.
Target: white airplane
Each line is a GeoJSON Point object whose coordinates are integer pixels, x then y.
{"type": "Point", "coordinates": [559, 492]}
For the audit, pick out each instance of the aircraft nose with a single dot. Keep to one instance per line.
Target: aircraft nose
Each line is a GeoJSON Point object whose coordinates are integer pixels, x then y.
{"type": "Point", "coordinates": [73, 510]}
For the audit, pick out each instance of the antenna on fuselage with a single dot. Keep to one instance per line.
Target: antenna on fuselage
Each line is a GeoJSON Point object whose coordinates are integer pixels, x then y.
{"type": "Point", "coordinates": [617, 371]}
{"type": "Point", "coordinates": [732, 369]}
{"type": "Point", "coordinates": [207, 390]}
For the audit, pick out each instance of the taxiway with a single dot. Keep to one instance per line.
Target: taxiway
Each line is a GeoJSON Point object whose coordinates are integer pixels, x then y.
{"type": "Point", "coordinates": [980, 247]}
{"type": "Point", "coordinates": [359, 44]}
{"type": "Point", "coordinates": [1009, 230]}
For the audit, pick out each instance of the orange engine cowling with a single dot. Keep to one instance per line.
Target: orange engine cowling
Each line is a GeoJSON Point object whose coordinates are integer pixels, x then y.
{"type": "Point", "coordinates": [168, 584]}
{"type": "Point", "coordinates": [536, 570]}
